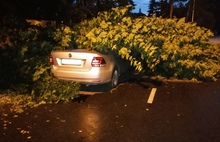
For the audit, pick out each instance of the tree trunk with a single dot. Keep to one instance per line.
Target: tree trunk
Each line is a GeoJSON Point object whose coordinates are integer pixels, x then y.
{"type": "Point", "coordinates": [189, 11]}
{"type": "Point", "coordinates": [171, 8]}
{"type": "Point", "coordinates": [193, 10]}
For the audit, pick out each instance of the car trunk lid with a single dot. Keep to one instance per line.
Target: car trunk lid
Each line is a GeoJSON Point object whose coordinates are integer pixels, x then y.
{"type": "Point", "coordinates": [77, 60]}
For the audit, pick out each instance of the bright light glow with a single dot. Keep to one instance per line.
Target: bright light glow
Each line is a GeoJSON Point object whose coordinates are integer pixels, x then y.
{"type": "Point", "coordinates": [90, 123]}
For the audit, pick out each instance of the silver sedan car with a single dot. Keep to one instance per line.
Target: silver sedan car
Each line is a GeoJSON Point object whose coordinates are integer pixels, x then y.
{"type": "Point", "coordinates": [88, 67]}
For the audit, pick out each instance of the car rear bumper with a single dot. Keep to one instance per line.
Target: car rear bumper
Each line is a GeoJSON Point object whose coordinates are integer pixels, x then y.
{"type": "Point", "coordinates": [93, 77]}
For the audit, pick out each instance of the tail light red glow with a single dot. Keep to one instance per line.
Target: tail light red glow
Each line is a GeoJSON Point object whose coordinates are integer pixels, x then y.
{"type": "Point", "coordinates": [98, 62]}
{"type": "Point", "coordinates": [51, 59]}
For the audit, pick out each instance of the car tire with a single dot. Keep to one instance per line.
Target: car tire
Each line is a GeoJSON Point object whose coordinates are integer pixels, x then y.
{"type": "Point", "coordinates": [114, 79]}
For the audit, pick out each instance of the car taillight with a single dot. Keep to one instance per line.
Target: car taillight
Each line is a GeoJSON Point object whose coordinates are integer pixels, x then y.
{"type": "Point", "coordinates": [98, 62]}
{"type": "Point", "coordinates": [51, 59]}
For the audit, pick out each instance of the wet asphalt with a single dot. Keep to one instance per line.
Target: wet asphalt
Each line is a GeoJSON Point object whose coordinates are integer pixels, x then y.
{"type": "Point", "coordinates": [180, 112]}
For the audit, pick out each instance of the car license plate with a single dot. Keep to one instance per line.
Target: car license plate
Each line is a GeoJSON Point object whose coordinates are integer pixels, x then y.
{"type": "Point", "coordinates": [71, 62]}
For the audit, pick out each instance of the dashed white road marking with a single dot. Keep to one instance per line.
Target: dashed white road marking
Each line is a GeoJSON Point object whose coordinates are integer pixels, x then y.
{"type": "Point", "coordinates": [152, 94]}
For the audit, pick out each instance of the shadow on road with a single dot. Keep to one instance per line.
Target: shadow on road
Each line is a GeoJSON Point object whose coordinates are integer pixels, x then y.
{"type": "Point", "coordinates": [125, 79]}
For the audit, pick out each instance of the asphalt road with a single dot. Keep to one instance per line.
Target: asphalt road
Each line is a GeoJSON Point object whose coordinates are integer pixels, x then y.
{"type": "Point", "coordinates": [179, 112]}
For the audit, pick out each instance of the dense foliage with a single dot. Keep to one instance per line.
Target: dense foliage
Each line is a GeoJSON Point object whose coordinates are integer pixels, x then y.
{"type": "Point", "coordinates": [25, 67]}
{"type": "Point", "coordinates": [160, 47]}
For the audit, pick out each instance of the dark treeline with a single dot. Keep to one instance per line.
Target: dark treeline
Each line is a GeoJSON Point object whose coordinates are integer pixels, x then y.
{"type": "Point", "coordinates": [59, 10]}
{"type": "Point", "coordinates": [205, 13]}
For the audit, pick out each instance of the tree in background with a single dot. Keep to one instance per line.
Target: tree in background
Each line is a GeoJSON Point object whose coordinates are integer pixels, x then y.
{"type": "Point", "coordinates": [90, 8]}
{"type": "Point", "coordinates": [205, 13]}
{"type": "Point", "coordinates": [36, 9]}
{"type": "Point", "coordinates": [58, 10]}
{"type": "Point", "coordinates": [179, 8]}
{"type": "Point", "coordinates": [153, 8]}
{"type": "Point", "coordinates": [167, 8]}
{"type": "Point", "coordinates": [216, 11]}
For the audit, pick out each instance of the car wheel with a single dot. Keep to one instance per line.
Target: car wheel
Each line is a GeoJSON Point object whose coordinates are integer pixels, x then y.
{"type": "Point", "coordinates": [114, 80]}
